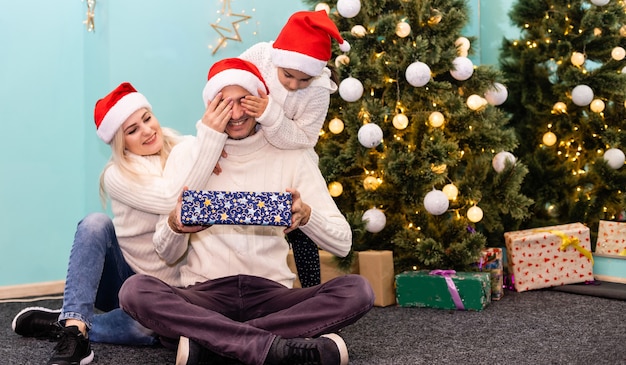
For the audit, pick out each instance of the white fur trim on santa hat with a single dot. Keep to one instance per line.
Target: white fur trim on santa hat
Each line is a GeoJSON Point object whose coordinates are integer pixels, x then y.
{"type": "Point", "coordinates": [297, 61]}
{"type": "Point", "coordinates": [229, 77]}
{"type": "Point", "coordinates": [118, 113]}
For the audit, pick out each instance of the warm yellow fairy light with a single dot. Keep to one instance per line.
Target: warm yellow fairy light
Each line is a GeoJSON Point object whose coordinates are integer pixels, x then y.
{"type": "Point", "coordinates": [549, 139]}
{"type": "Point", "coordinates": [475, 214]}
{"type": "Point", "coordinates": [577, 59]}
{"type": "Point", "coordinates": [451, 191]}
{"type": "Point", "coordinates": [335, 189]}
{"type": "Point", "coordinates": [335, 125]}
{"type": "Point", "coordinates": [597, 106]}
{"type": "Point", "coordinates": [400, 121]}
{"type": "Point", "coordinates": [559, 107]}
{"type": "Point", "coordinates": [436, 119]}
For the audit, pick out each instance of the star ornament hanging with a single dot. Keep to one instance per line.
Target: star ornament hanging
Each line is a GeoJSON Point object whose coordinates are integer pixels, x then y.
{"type": "Point", "coordinates": [231, 33]}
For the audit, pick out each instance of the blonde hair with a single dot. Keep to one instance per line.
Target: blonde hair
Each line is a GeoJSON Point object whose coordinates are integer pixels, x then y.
{"type": "Point", "coordinates": [120, 158]}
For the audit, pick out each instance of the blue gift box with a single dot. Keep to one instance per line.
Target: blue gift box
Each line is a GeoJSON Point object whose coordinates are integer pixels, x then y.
{"type": "Point", "coordinates": [201, 207]}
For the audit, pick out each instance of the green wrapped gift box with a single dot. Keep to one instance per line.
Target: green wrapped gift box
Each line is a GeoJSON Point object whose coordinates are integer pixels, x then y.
{"type": "Point", "coordinates": [444, 289]}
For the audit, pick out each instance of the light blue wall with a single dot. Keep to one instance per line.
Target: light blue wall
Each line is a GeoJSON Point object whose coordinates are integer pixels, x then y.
{"type": "Point", "coordinates": [52, 71]}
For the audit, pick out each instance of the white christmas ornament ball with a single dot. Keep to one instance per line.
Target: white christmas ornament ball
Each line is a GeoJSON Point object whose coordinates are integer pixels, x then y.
{"type": "Point", "coordinates": [600, 2]}
{"type": "Point", "coordinates": [335, 125]}
{"type": "Point", "coordinates": [417, 74]}
{"type": "Point", "coordinates": [474, 214]}
{"type": "Point", "coordinates": [451, 191]}
{"type": "Point", "coordinates": [499, 160]}
{"type": "Point", "coordinates": [436, 202]}
{"type": "Point", "coordinates": [370, 135]}
{"type": "Point", "coordinates": [582, 95]}
{"type": "Point", "coordinates": [375, 220]}
{"type": "Point", "coordinates": [614, 158]}
{"type": "Point", "coordinates": [463, 68]}
{"type": "Point", "coordinates": [348, 8]}
{"type": "Point", "coordinates": [322, 6]}
{"type": "Point", "coordinates": [436, 119]}
{"type": "Point", "coordinates": [497, 94]}
{"type": "Point", "coordinates": [350, 89]}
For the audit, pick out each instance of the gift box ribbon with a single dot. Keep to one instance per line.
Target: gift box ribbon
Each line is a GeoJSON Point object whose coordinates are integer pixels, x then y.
{"type": "Point", "coordinates": [454, 292]}
{"type": "Point", "coordinates": [570, 241]}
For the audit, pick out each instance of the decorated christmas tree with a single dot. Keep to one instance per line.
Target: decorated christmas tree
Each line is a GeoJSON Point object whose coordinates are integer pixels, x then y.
{"type": "Point", "coordinates": [415, 149]}
{"type": "Point", "coordinates": [567, 90]}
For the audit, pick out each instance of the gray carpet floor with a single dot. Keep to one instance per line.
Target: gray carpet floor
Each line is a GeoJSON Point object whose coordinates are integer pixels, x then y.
{"type": "Point", "coordinates": [534, 327]}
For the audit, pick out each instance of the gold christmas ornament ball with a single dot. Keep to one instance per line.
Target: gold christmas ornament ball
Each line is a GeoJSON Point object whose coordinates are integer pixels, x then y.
{"type": "Point", "coordinates": [335, 125]}
{"type": "Point", "coordinates": [342, 59]}
{"type": "Point", "coordinates": [451, 191]}
{"type": "Point", "coordinates": [622, 31]}
{"type": "Point", "coordinates": [322, 6]}
{"type": "Point", "coordinates": [358, 31]}
{"type": "Point", "coordinates": [462, 44]}
{"type": "Point", "coordinates": [618, 53]}
{"type": "Point", "coordinates": [597, 106]}
{"type": "Point", "coordinates": [335, 189]}
{"type": "Point", "coordinates": [475, 214]}
{"type": "Point", "coordinates": [370, 183]}
{"type": "Point", "coordinates": [560, 107]}
{"type": "Point", "coordinates": [403, 29]}
{"type": "Point", "coordinates": [549, 139]}
{"type": "Point", "coordinates": [438, 169]}
{"type": "Point", "coordinates": [400, 121]}
{"type": "Point", "coordinates": [476, 102]}
{"type": "Point", "coordinates": [436, 119]}
{"type": "Point", "coordinates": [577, 59]}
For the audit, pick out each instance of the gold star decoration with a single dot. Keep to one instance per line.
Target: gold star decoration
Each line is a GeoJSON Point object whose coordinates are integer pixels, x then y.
{"type": "Point", "coordinates": [231, 33]}
{"type": "Point", "coordinates": [89, 22]}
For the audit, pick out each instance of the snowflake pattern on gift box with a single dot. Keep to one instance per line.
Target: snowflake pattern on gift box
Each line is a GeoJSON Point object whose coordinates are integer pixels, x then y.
{"type": "Point", "coordinates": [236, 207]}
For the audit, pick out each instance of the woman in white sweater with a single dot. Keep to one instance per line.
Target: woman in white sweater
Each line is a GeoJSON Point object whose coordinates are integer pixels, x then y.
{"type": "Point", "coordinates": [293, 114]}
{"type": "Point", "coordinates": [105, 252]}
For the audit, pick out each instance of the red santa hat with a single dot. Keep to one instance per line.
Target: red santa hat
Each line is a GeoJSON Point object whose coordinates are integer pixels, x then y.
{"type": "Point", "coordinates": [304, 42]}
{"type": "Point", "coordinates": [113, 110]}
{"type": "Point", "coordinates": [233, 71]}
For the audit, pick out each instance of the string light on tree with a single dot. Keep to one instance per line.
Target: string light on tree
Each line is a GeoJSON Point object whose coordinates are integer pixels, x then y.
{"type": "Point", "coordinates": [463, 68]}
{"type": "Point", "coordinates": [500, 159]}
{"type": "Point", "coordinates": [614, 157]}
{"type": "Point", "coordinates": [475, 214]}
{"type": "Point", "coordinates": [436, 202]}
{"type": "Point", "coordinates": [400, 121]}
{"type": "Point", "coordinates": [451, 191]}
{"type": "Point", "coordinates": [582, 95]}
{"type": "Point", "coordinates": [417, 74]}
{"type": "Point", "coordinates": [497, 94]}
{"type": "Point", "coordinates": [335, 125]}
{"type": "Point", "coordinates": [350, 89]}
{"type": "Point", "coordinates": [348, 8]}
{"type": "Point", "coordinates": [375, 220]}
{"type": "Point", "coordinates": [436, 119]}
{"type": "Point", "coordinates": [549, 139]}
{"type": "Point", "coordinates": [335, 189]}
{"type": "Point", "coordinates": [370, 135]}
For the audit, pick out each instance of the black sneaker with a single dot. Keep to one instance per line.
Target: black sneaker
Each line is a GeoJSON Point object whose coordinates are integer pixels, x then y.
{"type": "Point", "coordinates": [73, 348]}
{"type": "Point", "coordinates": [191, 353]}
{"type": "Point", "coordinates": [325, 350]}
{"type": "Point", "coordinates": [38, 322]}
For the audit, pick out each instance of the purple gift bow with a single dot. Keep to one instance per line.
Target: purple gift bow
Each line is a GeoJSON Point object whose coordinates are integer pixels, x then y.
{"type": "Point", "coordinates": [454, 293]}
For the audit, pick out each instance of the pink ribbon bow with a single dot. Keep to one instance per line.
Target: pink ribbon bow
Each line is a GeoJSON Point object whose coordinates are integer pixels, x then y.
{"type": "Point", "coordinates": [454, 293]}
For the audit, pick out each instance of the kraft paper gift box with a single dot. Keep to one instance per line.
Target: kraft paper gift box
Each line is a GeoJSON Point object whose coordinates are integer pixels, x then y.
{"type": "Point", "coordinates": [491, 261]}
{"type": "Point", "coordinates": [549, 256]}
{"type": "Point", "coordinates": [611, 238]}
{"type": "Point", "coordinates": [377, 268]}
{"type": "Point", "coordinates": [201, 207]}
{"type": "Point", "coordinates": [328, 267]}
{"type": "Point", "coordinates": [444, 289]}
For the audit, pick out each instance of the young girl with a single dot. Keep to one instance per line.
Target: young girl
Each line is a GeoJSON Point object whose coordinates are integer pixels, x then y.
{"type": "Point", "coordinates": [106, 252]}
{"type": "Point", "coordinates": [293, 114]}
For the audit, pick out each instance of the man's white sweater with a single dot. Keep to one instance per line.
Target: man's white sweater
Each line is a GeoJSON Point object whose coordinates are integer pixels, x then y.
{"type": "Point", "coordinates": [253, 164]}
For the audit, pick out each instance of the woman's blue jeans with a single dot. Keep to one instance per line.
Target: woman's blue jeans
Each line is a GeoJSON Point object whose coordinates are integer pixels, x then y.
{"type": "Point", "coordinates": [96, 271]}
